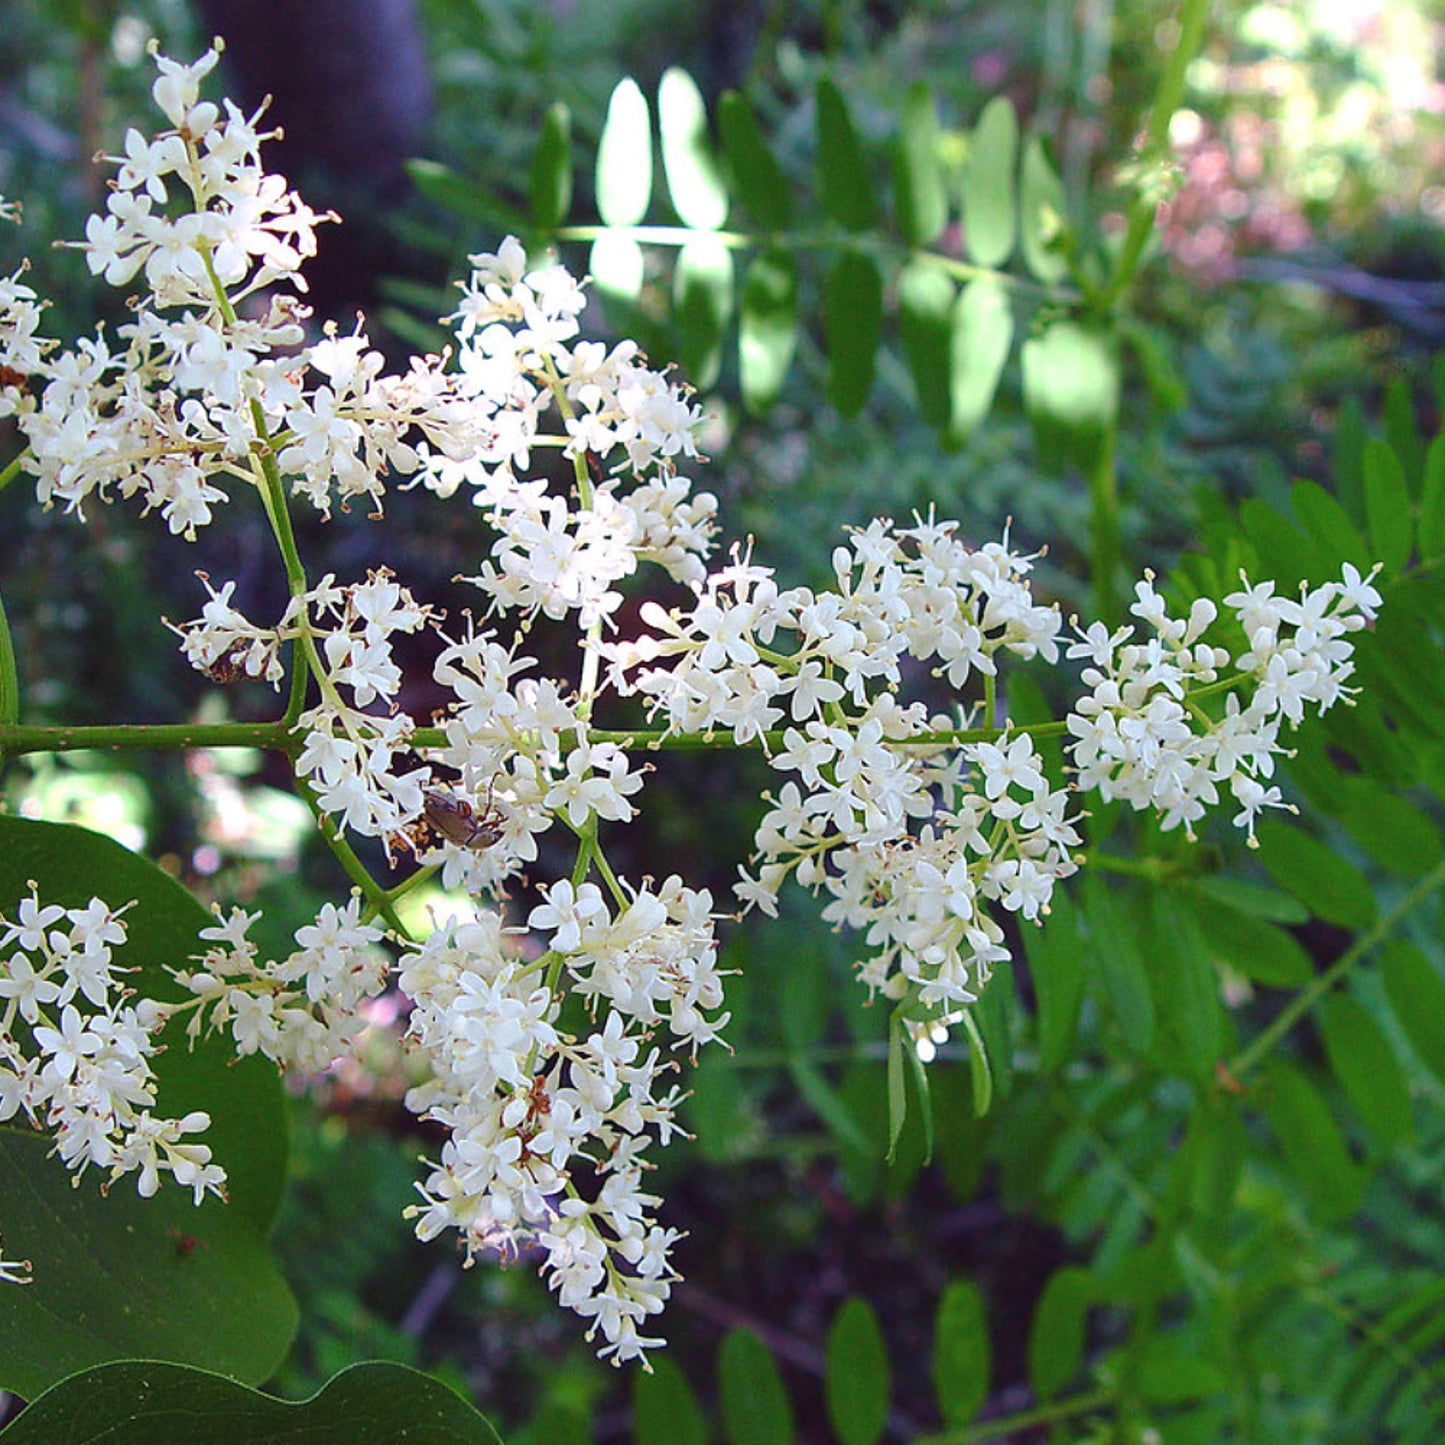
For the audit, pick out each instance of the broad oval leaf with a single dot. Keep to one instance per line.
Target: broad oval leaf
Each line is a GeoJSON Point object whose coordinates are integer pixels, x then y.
{"type": "Point", "coordinates": [618, 267]}
{"type": "Point", "coordinates": [1056, 1336]}
{"type": "Point", "coordinates": [1043, 225]}
{"type": "Point", "coordinates": [990, 206]}
{"type": "Point", "coordinates": [1387, 506]}
{"type": "Point", "coordinates": [767, 328]}
{"type": "Point", "coordinates": [694, 180]}
{"type": "Point", "coordinates": [665, 1410]}
{"type": "Point", "coordinates": [1324, 882]}
{"type": "Point", "coordinates": [758, 179]}
{"type": "Point", "coordinates": [962, 1355]}
{"type": "Point", "coordinates": [1417, 999]}
{"type": "Point", "coordinates": [145, 1403]}
{"type": "Point", "coordinates": [751, 1397]}
{"type": "Point", "coordinates": [702, 305]}
{"type": "Point", "coordinates": [857, 1375]}
{"type": "Point", "coordinates": [853, 323]}
{"type": "Point", "coordinates": [918, 193]}
{"type": "Point", "coordinates": [124, 1276]}
{"type": "Point", "coordinates": [551, 180]}
{"type": "Point", "coordinates": [624, 157]}
{"type": "Point", "coordinates": [983, 327]}
{"type": "Point", "coordinates": [1071, 392]}
{"type": "Point", "coordinates": [1363, 1061]}
{"type": "Point", "coordinates": [843, 181]}
{"type": "Point", "coordinates": [1313, 1147]}
{"type": "Point", "coordinates": [925, 318]}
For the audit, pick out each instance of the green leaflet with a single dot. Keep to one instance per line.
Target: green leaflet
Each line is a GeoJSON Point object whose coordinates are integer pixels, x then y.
{"type": "Point", "coordinates": [758, 179]}
{"type": "Point", "coordinates": [665, 1411]}
{"type": "Point", "coordinates": [551, 179]}
{"type": "Point", "coordinates": [1366, 1066]}
{"type": "Point", "coordinates": [768, 328]}
{"type": "Point", "coordinates": [1416, 993]}
{"type": "Point", "coordinates": [852, 325]}
{"type": "Point", "coordinates": [702, 303]}
{"type": "Point", "coordinates": [146, 1403]}
{"type": "Point", "coordinates": [1056, 1336]}
{"type": "Point", "coordinates": [925, 318]}
{"type": "Point", "coordinates": [982, 333]}
{"type": "Point", "coordinates": [990, 207]}
{"type": "Point", "coordinates": [1313, 1148]}
{"type": "Point", "coordinates": [1387, 506]}
{"type": "Point", "coordinates": [624, 157]}
{"type": "Point", "coordinates": [1323, 881]}
{"type": "Point", "coordinates": [962, 1356]}
{"type": "Point", "coordinates": [844, 185]}
{"type": "Point", "coordinates": [617, 267]}
{"type": "Point", "coordinates": [1071, 392]}
{"type": "Point", "coordinates": [856, 1375]}
{"type": "Point", "coordinates": [918, 194]}
{"type": "Point", "coordinates": [753, 1403]}
{"type": "Point", "coordinates": [1043, 225]}
{"type": "Point", "coordinates": [694, 180]}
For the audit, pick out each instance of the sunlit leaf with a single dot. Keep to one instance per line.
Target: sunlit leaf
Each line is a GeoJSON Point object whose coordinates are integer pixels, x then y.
{"type": "Point", "coordinates": [918, 193]}
{"type": "Point", "coordinates": [624, 157]}
{"type": "Point", "coordinates": [1043, 227]}
{"type": "Point", "coordinates": [617, 267]}
{"type": "Point", "coordinates": [768, 328]}
{"type": "Point", "coordinates": [982, 333]}
{"type": "Point", "coordinates": [694, 180]}
{"type": "Point", "coordinates": [990, 210]}
{"type": "Point", "coordinates": [1071, 392]}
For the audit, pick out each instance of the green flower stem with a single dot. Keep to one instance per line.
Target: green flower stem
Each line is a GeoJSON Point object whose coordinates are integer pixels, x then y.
{"type": "Point", "coordinates": [273, 736]}
{"type": "Point", "coordinates": [9, 677]}
{"type": "Point", "coordinates": [1008, 1427]}
{"type": "Point", "coordinates": [1106, 559]}
{"type": "Point", "coordinates": [881, 247]}
{"type": "Point", "coordinates": [1250, 1058]}
{"type": "Point", "coordinates": [10, 470]}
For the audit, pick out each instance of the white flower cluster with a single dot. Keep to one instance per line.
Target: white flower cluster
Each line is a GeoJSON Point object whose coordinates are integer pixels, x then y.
{"type": "Point", "coordinates": [74, 1052]}
{"type": "Point", "coordinates": [1144, 735]}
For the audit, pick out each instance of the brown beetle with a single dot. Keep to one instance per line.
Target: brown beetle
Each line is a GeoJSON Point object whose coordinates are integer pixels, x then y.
{"type": "Point", "coordinates": [455, 820]}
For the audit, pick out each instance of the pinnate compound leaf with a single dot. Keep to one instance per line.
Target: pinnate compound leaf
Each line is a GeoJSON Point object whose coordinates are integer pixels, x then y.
{"type": "Point", "coordinates": [1056, 1337]}
{"type": "Point", "coordinates": [1071, 392]}
{"type": "Point", "coordinates": [857, 1375]}
{"type": "Point", "coordinates": [918, 192]}
{"type": "Point", "coordinates": [962, 1355]}
{"type": "Point", "coordinates": [768, 328]}
{"type": "Point", "coordinates": [1363, 1061]}
{"type": "Point", "coordinates": [853, 323]}
{"type": "Point", "coordinates": [551, 180]}
{"type": "Point", "coordinates": [702, 303]}
{"type": "Point", "coordinates": [145, 1403]}
{"type": "Point", "coordinates": [751, 1397]}
{"type": "Point", "coordinates": [1324, 882]}
{"type": "Point", "coordinates": [125, 1276]}
{"type": "Point", "coordinates": [990, 205]}
{"type": "Point", "coordinates": [925, 318]}
{"type": "Point", "coordinates": [694, 179]}
{"type": "Point", "coordinates": [624, 157]}
{"type": "Point", "coordinates": [1313, 1147]}
{"type": "Point", "coordinates": [1387, 506]}
{"type": "Point", "coordinates": [843, 181]}
{"type": "Point", "coordinates": [1043, 227]}
{"type": "Point", "coordinates": [665, 1411]}
{"type": "Point", "coordinates": [983, 327]}
{"type": "Point", "coordinates": [757, 177]}
{"type": "Point", "coordinates": [1417, 999]}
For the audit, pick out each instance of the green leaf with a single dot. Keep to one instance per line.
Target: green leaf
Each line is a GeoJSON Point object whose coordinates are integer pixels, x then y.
{"type": "Point", "coordinates": [853, 322]}
{"type": "Point", "coordinates": [1324, 518]}
{"type": "Point", "coordinates": [1417, 999]}
{"type": "Point", "coordinates": [1071, 392]}
{"type": "Point", "coordinates": [145, 1403]}
{"type": "Point", "coordinates": [1366, 1066]}
{"type": "Point", "coordinates": [9, 677]}
{"type": "Point", "coordinates": [983, 326]}
{"type": "Point", "coordinates": [617, 267]}
{"type": "Point", "coordinates": [1312, 1145]}
{"type": "Point", "coordinates": [898, 1041]}
{"type": "Point", "coordinates": [702, 292]}
{"type": "Point", "coordinates": [1114, 955]}
{"type": "Point", "coordinates": [925, 318]}
{"type": "Point", "coordinates": [857, 1376]}
{"type": "Point", "coordinates": [665, 1410]}
{"type": "Point", "coordinates": [990, 210]}
{"type": "Point", "coordinates": [759, 180]}
{"type": "Point", "coordinates": [1387, 506]}
{"type": "Point", "coordinates": [624, 157]}
{"type": "Point", "coordinates": [1056, 1337]}
{"type": "Point", "coordinates": [1432, 502]}
{"type": "Point", "coordinates": [1043, 225]}
{"type": "Point", "coordinates": [980, 1070]}
{"type": "Point", "coordinates": [768, 328]}
{"type": "Point", "coordinates": [829, 1105]}
{"type": "Point", "coordinates": [843, 181]}
{"type": "Point", "coordinates": [1393, 831]}
{"type": "Point", "coordinates": [1255, 899]}
{"type": "Point", "coordinates": [124, 1276]}
{"type": "Point", "coordinates": [694, 180]}
{"type": "Point", "coordinates": [551, 183]}
{"type": "Point", "coordinates": [455, 193]}
{"type": "Point", "coordinates": [1186, 989]}
{"type": "Point", "coordinates": [1324, 882]}
{"type": "Point", "coordinates": [962, 1357]}
{"type": "Point", "coordinates": [990, 1027]}
{"type": "Point", "coordinates": [918, 194]}
{"type": "Point", "coordinates": [754, 1404]}
{"type": "Point", "coordinates": [1402, 431]}
{"type": "Point", "coordinates": [1056, 967]}
{"type": "Point", "coordinates": [1171, 1373]}
{"type": "Point", "coordinates": [1252, 947]}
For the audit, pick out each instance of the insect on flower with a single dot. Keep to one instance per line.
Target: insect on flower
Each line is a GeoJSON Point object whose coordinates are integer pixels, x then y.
{"type": "Point", "coordinates": [456, 821]}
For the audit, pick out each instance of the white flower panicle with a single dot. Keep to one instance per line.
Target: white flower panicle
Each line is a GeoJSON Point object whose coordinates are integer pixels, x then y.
{"type": "Point", "coordinates": [919, 830]}
{"type": "Point", "coordinates": [75, 1051]}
